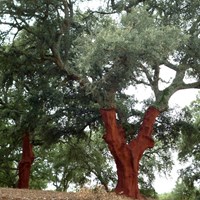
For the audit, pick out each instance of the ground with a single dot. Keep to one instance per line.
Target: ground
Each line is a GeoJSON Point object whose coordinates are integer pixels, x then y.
{"type": "Point", "coordinates": [85, 194]}
{"type": "Point", "coordinates": [19, 194]}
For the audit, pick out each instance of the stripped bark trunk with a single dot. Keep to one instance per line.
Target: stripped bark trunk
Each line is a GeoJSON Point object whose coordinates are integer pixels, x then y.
{"type": "Point", "coordinates": [25, 163]}
{"type": "Point", "coordinates": [127, 156]}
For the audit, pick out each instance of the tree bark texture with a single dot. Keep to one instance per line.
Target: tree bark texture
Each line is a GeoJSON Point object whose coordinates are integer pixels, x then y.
{"type": "Point", "coordinates": [128, 155]}
{"type": "Point", "coordinates": [25, 163]}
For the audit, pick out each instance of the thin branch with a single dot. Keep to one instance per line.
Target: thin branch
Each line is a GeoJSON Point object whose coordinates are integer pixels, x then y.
{"type": "Point", "coordinates": [102, 12]}
{"type": "Point", "coordinates": [170, 65]}
{"type": "Point", "coordinates": [140, 81]}
{"type": "Point", "coordinates": [156, 79]}
{"type": "Point", "coordinates": [195, 85]}
{"type": "Point", "coordinates": [148, 75]}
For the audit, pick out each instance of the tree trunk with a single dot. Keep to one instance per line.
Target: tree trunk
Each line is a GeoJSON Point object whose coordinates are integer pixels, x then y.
{"type": "Point", "coordinates": [127, 156]}
{"type": "Point", "coordinates": [26, 162]}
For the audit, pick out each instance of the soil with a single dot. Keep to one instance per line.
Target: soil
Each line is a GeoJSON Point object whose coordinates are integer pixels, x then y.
{"type": "Point", "coordinates": [85, 194]}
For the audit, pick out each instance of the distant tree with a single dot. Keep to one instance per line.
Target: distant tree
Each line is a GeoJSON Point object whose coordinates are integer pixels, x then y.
{"type": "Point", "coordinates": [181, 192]}
{"type": "Point", "coordinates": [187, 186]}
{"type": "Point", "coordinates": [102, 57]}
{"type": "Point", "coordinates": [166, 196]}
{"type": "Point", "coordinates": [73, 162]}
{"type": "Point", "coordinates": [189, 146]}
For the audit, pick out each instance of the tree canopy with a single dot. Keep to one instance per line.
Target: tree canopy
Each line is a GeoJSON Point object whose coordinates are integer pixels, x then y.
{"type": "Point", "coordinates": [61, 63]}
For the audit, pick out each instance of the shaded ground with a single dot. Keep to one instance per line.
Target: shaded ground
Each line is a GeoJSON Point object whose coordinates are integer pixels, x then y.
{"type": "Point", "coordinates": [18, 194]}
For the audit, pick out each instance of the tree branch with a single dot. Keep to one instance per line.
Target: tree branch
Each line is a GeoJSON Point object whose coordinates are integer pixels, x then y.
{"type": "Point", "coordinates": [156, 79]}
{"type": "Point", "coordinates": [195, 85]}
{"type": "Point", "coordinates": [148, 75]}
{"type": "Point", "coordinates": [170, 65]}
{"type": "Point", "coordinates": [162, 97]}
{"type": "Point", "coordinates": [113, 5]}
{"type": "Point", "coordinates": [140, 81]}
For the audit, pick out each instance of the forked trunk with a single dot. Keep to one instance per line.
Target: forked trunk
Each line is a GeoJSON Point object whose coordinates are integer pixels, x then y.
{"type": "Point", "coordinates": [25, 163]}
{"type": "Point", "coordinates": [127, 156]}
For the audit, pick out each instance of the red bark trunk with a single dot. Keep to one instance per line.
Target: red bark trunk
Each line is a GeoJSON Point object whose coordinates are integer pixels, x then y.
{"type": "Point", "coordinates": [127, 156]}
{"type": "Point", "coordinates": [25, 163]}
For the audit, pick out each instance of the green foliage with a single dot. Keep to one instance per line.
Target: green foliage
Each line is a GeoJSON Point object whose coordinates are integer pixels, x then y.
{"type": "Point", "coordinates": [181, 192]}
{"type": "Point", "coordinates": [10, 151]}
{"type": "Point", "coordinates": [147, 191]}
{"type": "Point", "coordinates": [8, 160]}
{"type": "Point", "coordinates": [166, 196]}
{"type": "Point", "coordinates": [187, 186]}
{"type": "Point", "coordinates": [76, 161]}
{"type": "Point", "coordinates": [120, 48]}
{"type": "Point", "coordinates": [189, 145]}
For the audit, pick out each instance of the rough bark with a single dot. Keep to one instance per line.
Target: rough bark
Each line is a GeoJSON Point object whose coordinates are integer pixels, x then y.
{"type": "Point", "coordinates": [127, 156]}
{"type": "Point", "coordinates": [25, 163]}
